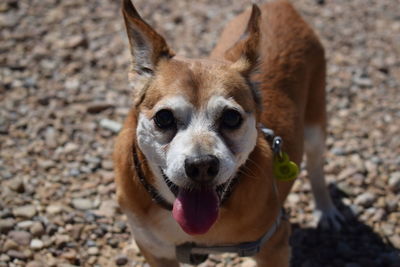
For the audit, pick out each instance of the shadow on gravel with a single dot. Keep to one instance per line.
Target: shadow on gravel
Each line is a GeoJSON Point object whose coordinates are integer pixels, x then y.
{"type": "Point", "coordinates": [356, 245]}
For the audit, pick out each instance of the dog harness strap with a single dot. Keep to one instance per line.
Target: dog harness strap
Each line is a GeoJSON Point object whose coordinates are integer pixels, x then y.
{"type": "Point", "coordinates": [229, 187]}
{"type": "Point", "coordinates": [194, 254]}
{"type": "Point", "coordinates": [156, 197]}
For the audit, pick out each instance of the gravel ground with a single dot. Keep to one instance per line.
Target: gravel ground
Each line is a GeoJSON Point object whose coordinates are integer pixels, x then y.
{"type": "Point", "coordinates": [63, 84]}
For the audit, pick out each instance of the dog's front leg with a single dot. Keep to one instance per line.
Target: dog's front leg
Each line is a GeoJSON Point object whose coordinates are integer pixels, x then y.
{"type": "Point", "coordinates": [154, 261]}
{"type": "Point", "coordinates": [276, 252]}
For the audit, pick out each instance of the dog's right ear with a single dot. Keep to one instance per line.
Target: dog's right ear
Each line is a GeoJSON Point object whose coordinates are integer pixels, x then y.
{"type": "Point", "coordinates": [146, 45]}
{"type": "Point", "coordinates": [244, 53]}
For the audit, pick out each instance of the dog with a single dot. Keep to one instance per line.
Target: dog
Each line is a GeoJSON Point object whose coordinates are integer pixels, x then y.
{"type": "Point", "coordinates": [195, 165]}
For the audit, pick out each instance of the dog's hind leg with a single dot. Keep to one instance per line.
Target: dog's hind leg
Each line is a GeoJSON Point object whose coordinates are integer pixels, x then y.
{"type": "Point", "coordinates": [325, 211]}
{"type": "Point", "coordinates": [314, 137]}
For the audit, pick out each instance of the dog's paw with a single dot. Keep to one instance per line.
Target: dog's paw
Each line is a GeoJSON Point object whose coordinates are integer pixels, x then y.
{"type": "Point", "coordinates": [329, 219]}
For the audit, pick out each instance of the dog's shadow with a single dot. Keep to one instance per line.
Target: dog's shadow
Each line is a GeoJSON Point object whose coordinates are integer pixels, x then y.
{"type": "Point", "coordinates": [356, 245]}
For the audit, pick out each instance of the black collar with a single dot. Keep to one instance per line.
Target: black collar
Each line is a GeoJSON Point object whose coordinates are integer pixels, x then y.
{"type": "Point", "coordinates": [155, 196]}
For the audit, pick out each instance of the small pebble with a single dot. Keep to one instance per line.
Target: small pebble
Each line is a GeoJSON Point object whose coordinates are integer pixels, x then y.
{"type": "Point", "coordinates": [15, 254]}
{"type": "Point", "coordinates": [26, 212]}
{"type": "Point", "coordinates": [113, 242]}
{"type": "Point", "coordinates": [37, 229]}
{"type": "Point", "coordinates": [17, 185]}
{"type": "Point", "coordinates": [10, 244]}
{"type": "Point", "coordinates": [394, 181]}
{"type": "Point", "coordinates": [24, 225]}
{"type": "Point", "coordinates": [36, 244]}
{"type": "Point", "coordinates": [35, 264]}
{"type": "Point", "coordinates": [121, 260]}
{"type": "Point", "coordinates": [82, 203]}
{"type": "Point", "coordinates": [21, 237]}
{"type": "Point", "coordinates": [111, 125]}
{"type": "Point", "coordinates": [6, 225]}
{"type": "Point", "coordinates": [395, 240]}
{"type": "Point", "coordinates": [54, 209]}
{"type": "Point", "coordinates": [98, 107]}
{"type": "Point", "coordinates": [93, 251]}
{"type": "Point", "coordinates": [366, 199]}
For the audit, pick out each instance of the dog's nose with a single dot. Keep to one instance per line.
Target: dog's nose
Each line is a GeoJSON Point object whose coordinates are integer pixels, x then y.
{"type": "Point", "coordinates": [202, 169]}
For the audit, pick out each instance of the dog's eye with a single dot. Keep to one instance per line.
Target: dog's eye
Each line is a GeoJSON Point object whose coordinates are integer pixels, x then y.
{"type": "Point", "coordinates": [231, 119]}
{"type": "Point", "coordinates": [164, 119]}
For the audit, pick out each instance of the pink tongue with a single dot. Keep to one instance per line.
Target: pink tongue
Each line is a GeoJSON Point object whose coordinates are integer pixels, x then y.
{"type": "Point", "coordinates": [196, 211]}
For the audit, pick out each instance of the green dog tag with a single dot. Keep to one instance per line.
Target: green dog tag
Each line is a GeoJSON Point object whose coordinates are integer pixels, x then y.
{"type": "Point", "coordinates": [284, 169]}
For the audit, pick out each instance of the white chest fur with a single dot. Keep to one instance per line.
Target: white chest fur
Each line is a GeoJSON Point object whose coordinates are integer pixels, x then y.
{"type": "Point", "coordinates": [161, 233]}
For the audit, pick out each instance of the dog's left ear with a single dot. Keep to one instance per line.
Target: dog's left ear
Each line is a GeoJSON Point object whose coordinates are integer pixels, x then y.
{"type": "Point", "coordinates": [244, 53]}
{"type": "Point", "coordinates": [147, 46]}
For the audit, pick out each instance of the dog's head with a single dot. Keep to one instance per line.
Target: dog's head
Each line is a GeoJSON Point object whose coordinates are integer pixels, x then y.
{"type": "Point", "coordinates": [196, 119]}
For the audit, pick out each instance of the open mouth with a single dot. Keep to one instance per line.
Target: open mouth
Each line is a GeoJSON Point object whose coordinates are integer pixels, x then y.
{"type": "Point", "coordinates": [220, 189]}
{"type": "Point", "coordinates": [196, 209]}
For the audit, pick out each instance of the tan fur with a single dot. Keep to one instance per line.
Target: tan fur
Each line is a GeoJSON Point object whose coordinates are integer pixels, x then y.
{"type": "Point", "coordinates": [290, 76]}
